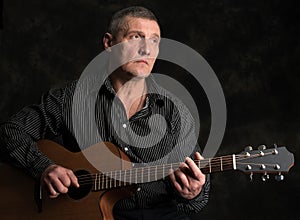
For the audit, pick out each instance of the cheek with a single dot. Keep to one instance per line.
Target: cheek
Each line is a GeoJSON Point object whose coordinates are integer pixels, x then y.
{"type": "Point", "coordinates": [130, 51]}
{"type": "Point", "coordinates": [127, 56]}
{"type": "Point", "coordinates": [151, 63]}
{"type": "Point", "coordinates": [124, 54]}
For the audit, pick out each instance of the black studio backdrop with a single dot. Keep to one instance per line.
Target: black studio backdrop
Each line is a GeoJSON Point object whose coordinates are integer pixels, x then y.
{"type": "Point", "coordinates": [253, 47]}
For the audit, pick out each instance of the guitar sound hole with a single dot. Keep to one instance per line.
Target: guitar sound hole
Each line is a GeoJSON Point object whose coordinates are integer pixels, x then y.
{"type": "Point", "coordinates": [85, 182]}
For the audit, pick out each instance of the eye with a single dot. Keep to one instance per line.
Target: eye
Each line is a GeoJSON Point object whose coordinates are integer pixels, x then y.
{"type": "Point", "coordinates": [154, 40]}
{"type": "Point", "coordinates": [135, 37]}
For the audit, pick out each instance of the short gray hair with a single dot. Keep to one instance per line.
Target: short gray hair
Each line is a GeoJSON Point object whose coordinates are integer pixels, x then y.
{"type": "Point", "coordinates": [117, 22]}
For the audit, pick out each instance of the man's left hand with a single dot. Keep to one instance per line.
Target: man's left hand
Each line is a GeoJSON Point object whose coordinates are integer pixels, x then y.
{"type": "Point", "coordinates": [188, 179]}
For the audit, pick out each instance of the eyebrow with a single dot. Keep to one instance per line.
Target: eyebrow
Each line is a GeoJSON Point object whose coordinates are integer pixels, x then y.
{"type": "Point", "coordinates": [140, 33]}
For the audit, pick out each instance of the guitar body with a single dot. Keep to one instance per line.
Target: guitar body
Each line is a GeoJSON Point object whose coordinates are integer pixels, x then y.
{"type": "Point", "coordinates": [19, 201]}
{"type": "Point", "coordinates": [103, 166]}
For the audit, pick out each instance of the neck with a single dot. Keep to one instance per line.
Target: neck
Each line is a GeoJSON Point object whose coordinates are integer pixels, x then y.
{"type": "Point", "coordinates": [145, 174]}
{"type": "Point", "coordinates": [131, 92]}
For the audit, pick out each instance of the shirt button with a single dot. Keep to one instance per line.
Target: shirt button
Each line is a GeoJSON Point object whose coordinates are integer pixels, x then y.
{"type": "Point", "coordinates": [138, 189]}
{"type": "Point", "coordinates": [126, 148]}
{"type": "Point", "coordinates": [124, 125]}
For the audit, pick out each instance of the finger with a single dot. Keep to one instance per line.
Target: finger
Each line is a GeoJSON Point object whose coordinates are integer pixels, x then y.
{"type": "Point", "coordinates": [172, 176]}
{"type": "Point", "coordinates": [54, 196]}
{"type": "Point", "coordinates": [73, 178]}
{"type": "Point", "coordinates": [191, 165]}
{"type": "Point", "coordinates": [65, 180]}
{"type": "Point", "coordinates": [176, 185]}
{"type": "Point", "coordinates": [181, 175]}
{"type": "Point", "coordinates": [51, 190]}
{"type": "Point", "coordinates": [59, 186]}
{"type": "Point", "coordinates": [198, 156]}
{"type": "Point", "coordinates": [195, 172]}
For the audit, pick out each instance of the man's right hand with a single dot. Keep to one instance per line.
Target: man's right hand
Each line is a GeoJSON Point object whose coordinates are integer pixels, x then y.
{"type": "Point", "coordinates": [58, 179]}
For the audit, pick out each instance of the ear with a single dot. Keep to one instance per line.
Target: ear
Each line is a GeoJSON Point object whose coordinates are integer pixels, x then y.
{"type": "Point", "coordinates": [107, 41]}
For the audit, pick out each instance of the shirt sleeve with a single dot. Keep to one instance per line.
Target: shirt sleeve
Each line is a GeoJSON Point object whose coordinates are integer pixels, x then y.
{"type": "Point", "coordinates": [186, 145]}
{"type": "Point", "coordinates": [18, 136]}
{"type": "Point", "coordinates": [196, 204]}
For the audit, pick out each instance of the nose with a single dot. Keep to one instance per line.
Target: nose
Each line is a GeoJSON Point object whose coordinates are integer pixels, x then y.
{"type": "Point", "coordinates": [144, 49]}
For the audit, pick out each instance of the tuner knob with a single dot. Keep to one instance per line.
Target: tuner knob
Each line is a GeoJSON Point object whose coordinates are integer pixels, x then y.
{"type": "Point", "coordinates": [262, 147]}
{"type": "Point", "coordinates": [276, 167]}
{"type": "Point", "coordinates": [279, 177]}
{"type": "Point", "coordinates": [248, 148]}
{"type": "Point", "coordinates": [248, 167]}
{"type": "Point", "coordinates": [262, 167]}
{"type": "Point", "coordinates": [275, 151]}
{"type": "Point", "coordinates": [265, 177]}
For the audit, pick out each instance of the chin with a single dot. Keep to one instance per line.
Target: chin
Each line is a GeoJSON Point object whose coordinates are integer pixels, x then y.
{"type": "Point", "coordinates": [141, 75]}
{"type": "Point", "coordinates": [141, 72]}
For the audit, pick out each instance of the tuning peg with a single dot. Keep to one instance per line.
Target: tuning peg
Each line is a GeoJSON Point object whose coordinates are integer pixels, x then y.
{"type": "Point", "coordinates": [262, 167]}
{"type": "Point", "coordinates": [279, 177]}
{"type": "Point", "coordinates": [265, 177]}
{"type": "Point", "coordinates": [262, 147]}
{"type": "Point", "coordinates": [248, 148]}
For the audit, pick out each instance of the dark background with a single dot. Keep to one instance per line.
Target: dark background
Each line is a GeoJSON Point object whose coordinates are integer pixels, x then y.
{"type": "Point", "coordinates": [252, 45]}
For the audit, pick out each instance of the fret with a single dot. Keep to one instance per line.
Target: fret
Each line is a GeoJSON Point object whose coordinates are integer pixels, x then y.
{"type": "Point", "coordinates": [107, 181]}
{"type": "Point", "coordinates": [209, 164]}
{"type": "Point", "coordinates": [95, 182]}
{"type": "Point", "coordinates": [152, 173]}
{"type": "Point", "coordinates": [142, 174]}
{"type": "Point", "coordinates": [110, 180]}
{"type": "Point", "coordinates": [102, 181]}
{"type": "Point", "coordinates": [221, 162]}
{"type": "Point", "coordinates": [135, 176]}
{"type": "Point", "coordinates": [163, 171]}
{"type": "Point", "coordinates": [233, 162]}
{"type": "Point", "coordinates": [148, 174]}
{"type": "Point", "coordinates": [120, 178]}
{"type": "Point", "coordinates": [115, 179]}
{"type": "Point", "coordinates": [130, 174]}
{"type": "Point", "coordinates": [99, 181]}
{"type": "Point", "coordinates": [155, 173]}
{"type": "Point", "coordinates": [125, 182]}
{"type": "Point", "coordinates": [217, 164]}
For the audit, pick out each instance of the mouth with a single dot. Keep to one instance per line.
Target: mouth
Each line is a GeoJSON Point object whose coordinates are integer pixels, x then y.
{"type": "Point", "coordinates": [142, 61]}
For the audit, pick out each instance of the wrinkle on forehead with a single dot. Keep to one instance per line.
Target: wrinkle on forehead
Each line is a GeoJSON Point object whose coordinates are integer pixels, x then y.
{"type": "Point", "coordinates": [125, 26]}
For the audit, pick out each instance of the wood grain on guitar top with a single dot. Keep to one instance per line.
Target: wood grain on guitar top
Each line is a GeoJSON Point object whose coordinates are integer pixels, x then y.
{"type": "Point", "coordinates": [18, 189]}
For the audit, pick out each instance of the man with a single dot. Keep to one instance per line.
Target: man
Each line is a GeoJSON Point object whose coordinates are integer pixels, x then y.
{"type": "Point", "coordinates": [129, 95]}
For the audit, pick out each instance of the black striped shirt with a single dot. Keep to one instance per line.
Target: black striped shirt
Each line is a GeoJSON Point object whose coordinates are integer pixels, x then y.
{"type": "Point", "coordinates": [162, 132]}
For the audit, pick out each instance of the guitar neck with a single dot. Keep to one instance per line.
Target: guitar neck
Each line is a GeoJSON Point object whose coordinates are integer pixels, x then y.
{"type": "Point", "coordinates": [121, 178]}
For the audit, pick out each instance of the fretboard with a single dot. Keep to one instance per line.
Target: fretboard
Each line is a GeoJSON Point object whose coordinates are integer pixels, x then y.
{"type": "Point", "coordinates": [121, 178]}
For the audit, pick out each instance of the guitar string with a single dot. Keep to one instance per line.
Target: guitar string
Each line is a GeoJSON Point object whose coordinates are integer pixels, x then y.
{"type": "Point", "coordinates": [213, 163]}
{"type": "Point", "coordinates": [164, 166]}
{"type": "Point", "coordinates": [144, 171]}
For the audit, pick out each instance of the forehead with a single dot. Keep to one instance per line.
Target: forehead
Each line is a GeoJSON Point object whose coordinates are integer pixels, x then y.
{"type": "Point", "coordinates": [147, 26]}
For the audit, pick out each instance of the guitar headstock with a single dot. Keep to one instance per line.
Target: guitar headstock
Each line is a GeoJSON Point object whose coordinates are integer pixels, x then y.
{"type": "Point", "coordinates": [276, 160]}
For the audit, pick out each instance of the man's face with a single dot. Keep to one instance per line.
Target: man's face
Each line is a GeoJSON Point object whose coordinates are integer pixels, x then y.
{"type": "Point", "coordinates": [139, 46]}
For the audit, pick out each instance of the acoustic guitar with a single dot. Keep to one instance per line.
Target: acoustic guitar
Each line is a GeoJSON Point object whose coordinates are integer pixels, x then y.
{"type": "Point", "coordinates": [108, 176]}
